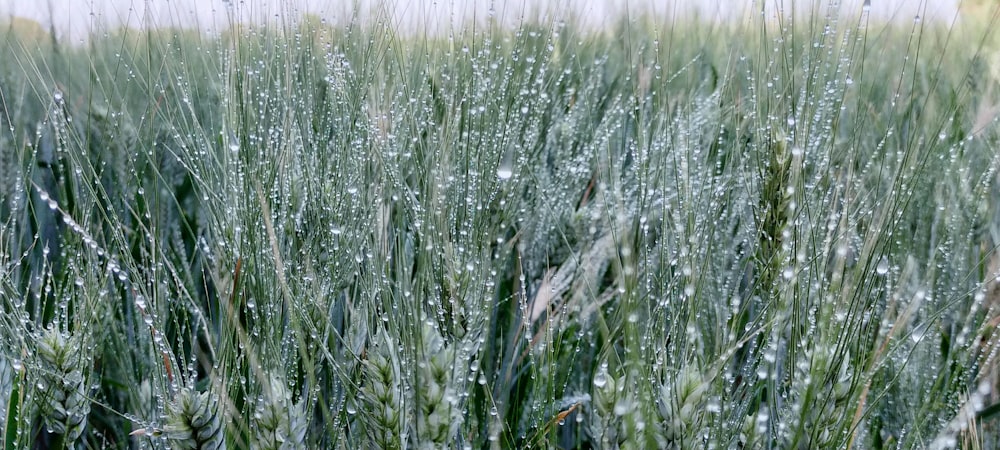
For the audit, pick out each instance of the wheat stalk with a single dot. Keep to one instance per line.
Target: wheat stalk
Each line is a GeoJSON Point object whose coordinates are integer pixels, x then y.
{"type": "Point", "coordinates": [193, 422]}
{"type": "Point", "coordinates": [61, 402]}
{"type": "Point", "coordinates": [681, 406]}
{"type": "Point", "coordinates": [438, 417]}
{"type": "Point", "coordinates": [279, 424]}
{"type": "Point", "coordinates": [6, 388]}
{"type": "Point", "coordinates": [382, 395]}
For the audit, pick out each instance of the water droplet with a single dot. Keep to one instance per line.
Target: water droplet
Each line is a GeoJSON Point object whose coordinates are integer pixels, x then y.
{"type": "Point", "coordinates": [506, 168]}
{"type": "Point", "coordinates": [504, 172]}
{"type": "Point", "coordinates": [601, 379]}
{"type": "Point", "coordinates": [762, 418]}
{"type": "Point", "coordinates": [621, 407]}
{"type": "Point", "coordinates": [882, 267]}
{"type": "Point", "coordinates": [234, 143]}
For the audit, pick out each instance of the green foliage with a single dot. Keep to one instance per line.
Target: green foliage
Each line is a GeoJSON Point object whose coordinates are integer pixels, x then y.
{"type": "Point", "coordinates": [663, 235]}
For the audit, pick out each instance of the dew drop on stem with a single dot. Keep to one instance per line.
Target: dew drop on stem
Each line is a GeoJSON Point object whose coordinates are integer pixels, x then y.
{"type": "Point", "coordinates": [882, 267]}
{"type": "Point", "coordinates": [506, 168]}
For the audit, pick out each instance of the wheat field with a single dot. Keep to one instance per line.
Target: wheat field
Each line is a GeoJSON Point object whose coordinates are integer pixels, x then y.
{"type": "Point", "coordinates": [772, 233]}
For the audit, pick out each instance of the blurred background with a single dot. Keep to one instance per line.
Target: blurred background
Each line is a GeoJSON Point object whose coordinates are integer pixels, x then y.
{"type": "Point", "coordinates": [74, 19]}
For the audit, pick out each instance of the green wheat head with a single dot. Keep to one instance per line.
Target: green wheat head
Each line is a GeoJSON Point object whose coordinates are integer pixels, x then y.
{"type": "Point", "coordinates": [194, 423]}
{"type": "Point", "coordinates": [279, 423]}
{"type": "Point", "coordinates": [61, 403]}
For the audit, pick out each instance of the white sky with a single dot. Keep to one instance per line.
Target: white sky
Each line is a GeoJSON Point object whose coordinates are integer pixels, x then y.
{"type": "Point", "coordinates": [76, 17]}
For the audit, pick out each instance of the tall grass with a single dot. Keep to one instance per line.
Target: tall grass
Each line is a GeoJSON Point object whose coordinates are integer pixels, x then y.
{"type": "Point", "coordinates": [770, 234]}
